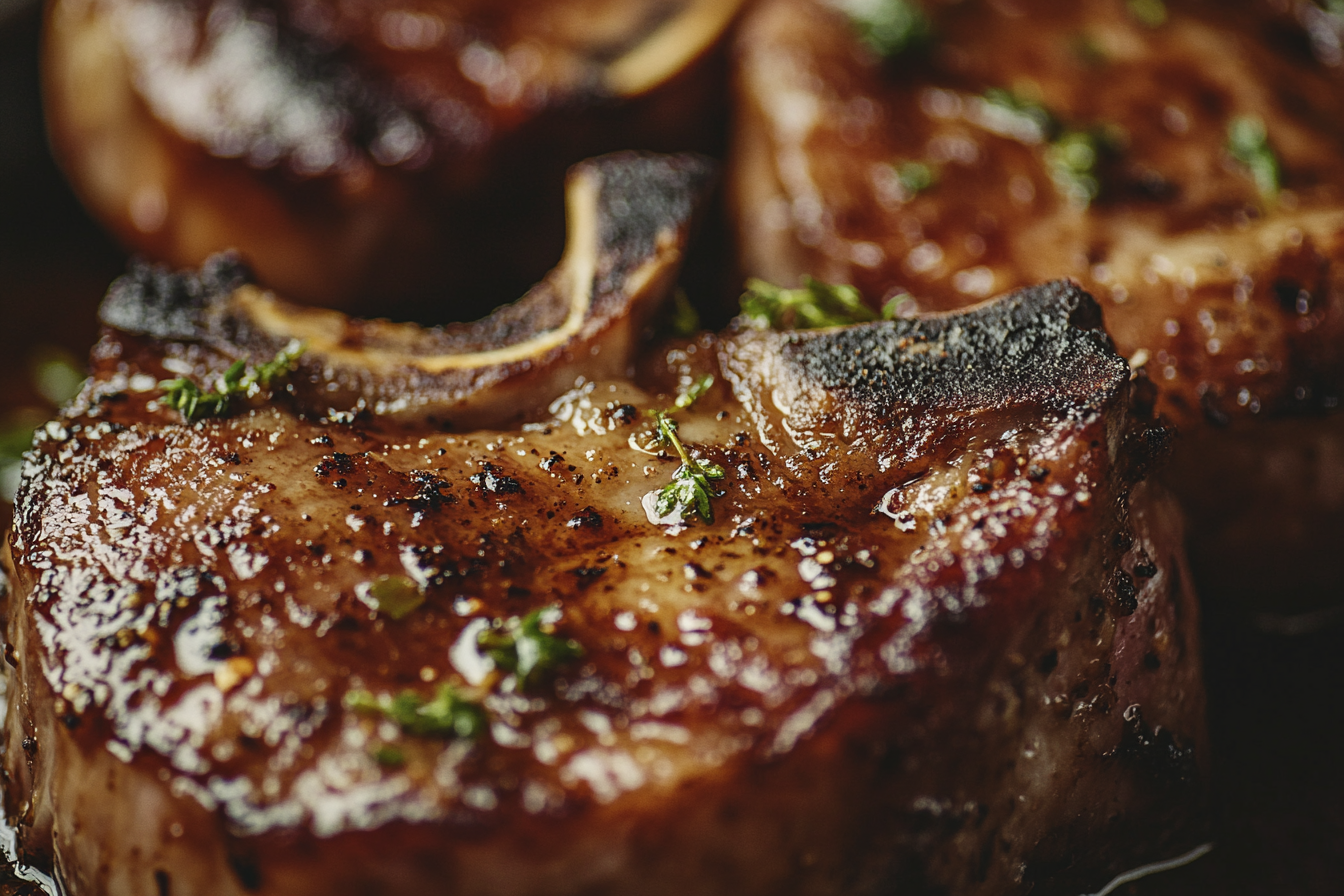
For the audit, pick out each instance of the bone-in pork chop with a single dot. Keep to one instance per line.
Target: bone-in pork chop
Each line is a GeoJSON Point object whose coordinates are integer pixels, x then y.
{"type": "Point", "coordinates": [930, 632]}
{"type": "Point", "coordinates": [1182, 161]}
{"type": "Point", "coordinates": [367, 152]}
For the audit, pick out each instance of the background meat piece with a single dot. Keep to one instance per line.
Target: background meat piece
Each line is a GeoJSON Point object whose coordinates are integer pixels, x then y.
{"type": "Point", "coordinates": [1186, 171]}
{"type": "Point", "coordinates": [406, 158]}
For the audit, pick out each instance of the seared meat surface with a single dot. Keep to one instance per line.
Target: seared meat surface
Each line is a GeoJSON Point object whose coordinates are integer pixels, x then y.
{"type": "Point", "coordinates": [937, 637]}
{"type": "Point", "coordinates": [1183, 165]}
{"type": "Point", "coordinates": [361, 153]}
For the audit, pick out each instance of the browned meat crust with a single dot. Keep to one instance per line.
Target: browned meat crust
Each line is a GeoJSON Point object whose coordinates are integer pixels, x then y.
{"type": "Point", "coordinates": [1229, 299]}
{"type": "Point", "coordinates": [361, 152]}
{"type": "Point", "coordinates": [938, 637]}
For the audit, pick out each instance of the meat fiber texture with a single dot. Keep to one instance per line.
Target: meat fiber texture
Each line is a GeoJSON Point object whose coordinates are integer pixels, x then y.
{"type": "Point", "coordinates": [937, 637]}
{"type": "Point", "coordinates": [1026, 142]}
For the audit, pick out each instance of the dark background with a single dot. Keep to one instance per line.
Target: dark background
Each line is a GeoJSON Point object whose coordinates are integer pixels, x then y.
{"type": "Point", "coordinates": [1276, 701]}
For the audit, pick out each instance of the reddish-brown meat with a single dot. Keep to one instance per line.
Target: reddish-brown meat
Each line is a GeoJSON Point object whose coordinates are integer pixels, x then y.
{"type": "Point", "coordinates": [953, 172]}
{"type": "Point", "coordinates": [937, 638]}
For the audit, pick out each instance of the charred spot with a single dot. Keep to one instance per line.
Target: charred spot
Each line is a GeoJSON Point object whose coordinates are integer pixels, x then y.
{"type": "Point", "coordinates": [493, 481]}
{"type": "Point", "coordinates": [588, 518]}
{"type": "Point", "coordinates": [247, 871]}
{"type": "Point", "coordinates": [29, 745]}
{"type": "Point", "coordinates": [427, 491]}
{"type": "Point", "coordinates": [741, 439]}
{"type": "Point", "coordinates": [1155, 751]}
{"type": "Point", "coordinates": [335, 463]}
{"type": "Point", "coordinates": [518, 592]}
{"type": "Point", "coordinates": [587, 574]}
{"type": "Point", "coordinates": [323, 439]}
{"type": "Point", "coordinates": [339, 483]}
{"type": "Point", "coordinates": [981, 487]}
{"type": "Point", "coordinates": [70, 720]}
{"type": "Point", "coordinates": [1151, 661]}
{"type": "Point", "coordinates": [231, 458]}
{"type": "Point", "coordinates": [1086, 316]}
{"type": "Point", "coordinates": [1144, 567]}
{"type": "Point", "coordinates": [1047, 663]}
{"type": "Point", "coordinates": [1292, 296]}
{"type": "Point", "coordinates": [10, 657]}
{"type": "Point", "coordinates": [624, 415]}
{"type": "Point", "coordinates": [551, 461]}
{"type": "Point", "coordinates": [1037, 473]}
{"type": "Point", "coordinates": [1123, 540]}
{"type": "Point", "coordinates": [655, 627]}
{"type": "Point", "coordinates": [694, 571]}
{"type": "Point", "coordinates": [162, 882]}
{"type": "Point", "coordinates": [223, 650]}
{"type": "Point", "coordinates": [1126, 594]}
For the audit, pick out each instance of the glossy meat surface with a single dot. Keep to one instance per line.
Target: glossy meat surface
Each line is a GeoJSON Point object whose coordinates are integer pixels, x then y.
{"type": "Point", "coordinates": [1227, 295]}
{"type": "Point", "coordinates": [937, 637]}
{"type": "Point", "coordinates": [401, 159]}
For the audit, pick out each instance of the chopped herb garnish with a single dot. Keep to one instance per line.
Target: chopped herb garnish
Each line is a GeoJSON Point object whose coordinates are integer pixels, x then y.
{"type": "Point", "coordinates": [694, 391]}
{"type": "Point", "coordinates": [683, 319]}
{"type": "Point", "coordinates": [813, 305]}
{"type": "Point", "coordinates": [394, 596]}
{"type": "Point", "coordinates": [389, 755]}
{"type": "Point", "coordinates": [446, 715]}
{"type": "Point", "coordinates": [184, 396]}
{"type": "Point", "coordinates": [689, 491]}
{"type": "Point", "coordinates": [889, 27]}
{"type": "Point", "coordinates": [1071, 156]}
{"type": "Point", "coordinates": [529, 647]}
{"type": "Point", "coordinates": [1072, 161]}
{"type": "Point", "coordinates": [915, 177]}
{"type": "Point", "coordinates": [1151, 13]}
{"type": "Point", "coordinates": [1248, 143]}
{"type": "Point", "coordinates": [1010, 114]}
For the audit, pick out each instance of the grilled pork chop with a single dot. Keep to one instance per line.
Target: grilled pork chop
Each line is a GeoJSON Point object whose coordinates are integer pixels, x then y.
{"type": "Point", "coordinates": [367, 151]}
{"type": "Point", "coordinates": [931, 631]}
{"type": "Point", "coordinates": [1184, 164]}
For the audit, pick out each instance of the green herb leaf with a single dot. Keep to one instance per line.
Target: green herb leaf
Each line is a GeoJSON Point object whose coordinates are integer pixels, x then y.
{"type": "Point", "coordinates": [529, 647]}
{"type": "Point", "coordinates": [1248, 143]}
{"type": "Point", "coordinates": [683, 319]}
{"type": "Point", "coordinates": [889, 27]}
{"type": "Point", "coordinates": [1072, 162]}
{"type": "Point", "coordinates": [815, 304]}
{"type": "Point", "coordinates": [394, 596]}
{"type": "Point", "coordinates": [192, 402]}
{"type": "Point", "coordinates": [690, 490]}
{"type": "Point", "coordinates": [915, 177]}
{"type": "Point", "coordinates": [389, 755]}
{"type": "Point", "coordinates": [1009, 114]}
{"type": "Point", "coordinates": [694, 391]}
{"type": "Point", "coordinates": [446, 715]}
{"type": "Point", "coordinates": [1151, 13]}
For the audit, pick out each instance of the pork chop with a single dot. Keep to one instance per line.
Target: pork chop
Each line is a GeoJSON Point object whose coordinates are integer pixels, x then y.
{"type": "Point", "coordinates": [1184, 164]}
{"type": "Point", "coordinates": [930, 631]}
{"type": "Point", "coordinates": [366, 154]}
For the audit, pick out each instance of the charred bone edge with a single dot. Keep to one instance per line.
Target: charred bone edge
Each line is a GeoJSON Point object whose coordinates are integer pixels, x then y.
{"type": "Point", "coordinates": [1043, 345]}
{"type": "Point", "coordinates": [628, 218]}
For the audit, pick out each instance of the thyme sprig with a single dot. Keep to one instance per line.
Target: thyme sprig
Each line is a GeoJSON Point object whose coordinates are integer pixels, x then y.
{"type": "Point", "coordinates": [193, 403]}
{"type": "Point", "coordinates": [815, 304]}
{"type": "Point", "coordinates": [1248, 143]}
{"type": "Point", "coordinates": [446, 714]}
{"type": "Point", "coordinates": [690, 490]}
{"type": "Point", "coordinates": [889, 27]}
{"type": "Point", "coordinates": [529, 647]}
